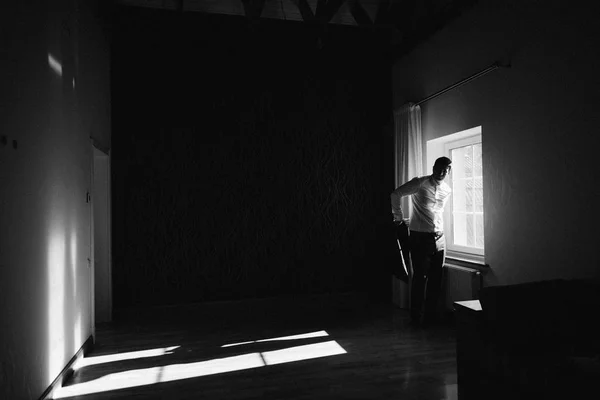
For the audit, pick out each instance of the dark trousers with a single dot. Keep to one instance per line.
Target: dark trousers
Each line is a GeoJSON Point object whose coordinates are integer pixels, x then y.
{"type": "Point", "coordinates": [427, 253]}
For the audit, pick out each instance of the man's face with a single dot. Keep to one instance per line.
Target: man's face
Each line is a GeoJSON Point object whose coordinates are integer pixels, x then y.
{"type": "Point", "coordinates": [440, 172]}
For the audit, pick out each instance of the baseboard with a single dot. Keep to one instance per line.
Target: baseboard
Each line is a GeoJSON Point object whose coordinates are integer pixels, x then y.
{"type": "Point", "coordinates": [67, 372]}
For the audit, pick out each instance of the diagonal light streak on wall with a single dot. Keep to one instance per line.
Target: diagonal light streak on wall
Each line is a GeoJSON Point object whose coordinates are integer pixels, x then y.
{"type": "Point", "coordinates": [54, 64]}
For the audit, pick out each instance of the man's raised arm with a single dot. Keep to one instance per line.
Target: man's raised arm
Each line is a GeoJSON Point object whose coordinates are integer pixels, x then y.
{"type": "Point", "coordinates": [410, 187]}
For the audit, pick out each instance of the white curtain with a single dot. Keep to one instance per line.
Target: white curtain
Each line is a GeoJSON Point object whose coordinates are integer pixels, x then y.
{"type": "Point", "coordinates": [408, 148]}
{"type": "Point", "coordinates": [408, 163]}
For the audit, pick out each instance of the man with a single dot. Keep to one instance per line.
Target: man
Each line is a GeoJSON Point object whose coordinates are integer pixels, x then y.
{"type": "Point", "coordinates": [427, 243]}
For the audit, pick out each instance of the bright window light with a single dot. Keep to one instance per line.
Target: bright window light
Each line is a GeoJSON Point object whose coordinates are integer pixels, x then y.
{"type": "Point", "coordinates": [464, 213]}
{"type": "Point", "coordinates": [293, 337]}
{"type": "Point", "coordinates": [467, 185]}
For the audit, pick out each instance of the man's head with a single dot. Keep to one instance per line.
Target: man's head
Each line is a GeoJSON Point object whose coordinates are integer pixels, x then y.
{"type": "Point", "coordinates": [441, 168]}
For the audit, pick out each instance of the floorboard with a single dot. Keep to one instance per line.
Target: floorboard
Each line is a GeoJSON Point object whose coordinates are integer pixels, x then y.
{"type": "Point", "coordinates": [365, 352]}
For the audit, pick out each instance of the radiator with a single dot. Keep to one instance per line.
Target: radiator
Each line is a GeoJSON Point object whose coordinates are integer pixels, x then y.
{"type": "Point", "coordinates": [460, 283]}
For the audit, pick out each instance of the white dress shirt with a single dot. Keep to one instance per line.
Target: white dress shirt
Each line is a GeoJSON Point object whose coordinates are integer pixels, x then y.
{"type": "Point", "coordinates": [428, 197]}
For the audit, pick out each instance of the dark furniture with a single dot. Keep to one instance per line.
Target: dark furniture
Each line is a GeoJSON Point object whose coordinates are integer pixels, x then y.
{"type": "Point", "coordinates": [530, 340]}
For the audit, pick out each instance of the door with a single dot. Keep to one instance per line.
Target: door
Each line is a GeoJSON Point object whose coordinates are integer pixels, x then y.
{"type": "Point", "coordinates": [102, 241]}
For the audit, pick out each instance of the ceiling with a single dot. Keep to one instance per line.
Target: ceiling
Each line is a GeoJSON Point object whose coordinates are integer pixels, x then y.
{"type": "Point", "coordinates": [405, 22]}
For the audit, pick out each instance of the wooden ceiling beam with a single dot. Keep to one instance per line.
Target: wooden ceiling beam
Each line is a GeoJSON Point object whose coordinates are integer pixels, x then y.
{"type": "Point", "coordinates": [383, 12]}
{"type": "Point", "coordinates": [321, 4]}
{"type": "Point", "coordinates": [305, 10]}
{"type": "Point", "coordinates": [402, 15]}
{"type": "Point", "coordinates": [253, 8]}
{"type": "Point", "coordinates": [358, 13]}
{"type": "Point", "coordinates": [326, 10]}
{"type": "Point", "coordinates": [247, 8]}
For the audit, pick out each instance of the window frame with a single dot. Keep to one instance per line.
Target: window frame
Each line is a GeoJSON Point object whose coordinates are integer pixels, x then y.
{"type": "Point", "coordinates": [467, 253]}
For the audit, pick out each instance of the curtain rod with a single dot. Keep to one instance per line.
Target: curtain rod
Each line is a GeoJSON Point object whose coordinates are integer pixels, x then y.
{"type": "Point", "coordinates": [457, 84]}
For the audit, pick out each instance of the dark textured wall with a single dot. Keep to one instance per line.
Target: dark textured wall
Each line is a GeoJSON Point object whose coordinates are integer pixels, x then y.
{"type": "Point", "coordinates": [246, 162]}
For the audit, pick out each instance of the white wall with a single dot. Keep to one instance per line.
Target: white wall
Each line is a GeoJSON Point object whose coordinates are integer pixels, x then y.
{"type": "Point", "coordinates": [44, 218]}
{"type": "Point", "coordinates": [539, 127]}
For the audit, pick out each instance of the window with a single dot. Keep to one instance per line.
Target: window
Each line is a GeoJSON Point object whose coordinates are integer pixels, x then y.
{"type": "Point", "coordinates": [463, 214]}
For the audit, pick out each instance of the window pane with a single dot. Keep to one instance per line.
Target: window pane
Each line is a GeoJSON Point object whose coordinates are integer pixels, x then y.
{"type": "Point", "coordinates": [460, 229]}
{"type": "Point", "coordinates": [477, 160]}
{"type": "Point", "coordinates": [478, 194]}
{"type": "Point", "coordinates": [470, 231]}
{"type": "Point", "coordinates": [459, 194]}
{"type": "Point", "coordinates": [479, 230]}
{"type": "Point", "coordinates": [466, 182]}
{"type": "Point", "coordinates": [469, 161]}
{"type": "Point", "coordinates": [469, 195]}
{"type": "Point", "coordinates": [459, 161]}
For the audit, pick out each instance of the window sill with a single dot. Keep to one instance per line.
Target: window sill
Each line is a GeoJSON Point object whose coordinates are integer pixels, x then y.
{"type": "Point", "coordinates": [466, 260]}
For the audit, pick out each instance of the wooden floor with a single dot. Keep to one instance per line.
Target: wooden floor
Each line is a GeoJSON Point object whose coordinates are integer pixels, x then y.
{"type": "Point", "coordinates": [357, 352]}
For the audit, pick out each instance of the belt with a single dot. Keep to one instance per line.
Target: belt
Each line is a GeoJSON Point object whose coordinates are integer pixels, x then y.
{"type": "Point", "coordinates": [437, 235]}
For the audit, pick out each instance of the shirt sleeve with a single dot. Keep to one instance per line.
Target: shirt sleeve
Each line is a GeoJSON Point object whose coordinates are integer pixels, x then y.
{"type": "Point", "coordinates": [410, 187]}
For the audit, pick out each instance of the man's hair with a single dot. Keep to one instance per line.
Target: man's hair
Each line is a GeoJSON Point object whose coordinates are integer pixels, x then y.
{"type": "Point", "coordinates": [442, 162]}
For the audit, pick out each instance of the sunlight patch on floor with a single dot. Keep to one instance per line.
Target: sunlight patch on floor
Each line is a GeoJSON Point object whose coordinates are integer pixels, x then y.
{"type": "Point", "coordinates": [132, 355]}
{"type": "Point", "coordinates": [174, 372]}
{"type": "Point", "coordinates": [306, 352]}
{"type": "Point", "coordinates": [292, 337]}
